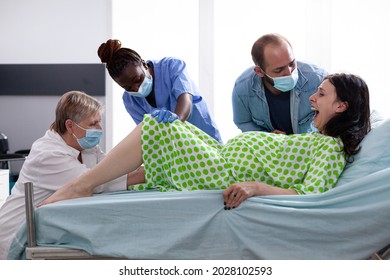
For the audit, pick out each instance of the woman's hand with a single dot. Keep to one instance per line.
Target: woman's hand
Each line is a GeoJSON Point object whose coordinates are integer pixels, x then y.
{"type": "Point", "coordinates": [68, 191]}
{"type": "Point", "coordinates": [164, 115]}
{"type": "Point", "coordinates": [136, 177]}
{"type": "Point", "coordinates": [238, 192]}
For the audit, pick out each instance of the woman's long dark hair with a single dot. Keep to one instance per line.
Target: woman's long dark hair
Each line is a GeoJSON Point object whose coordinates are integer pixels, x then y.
{"type": "Point", "coordinates": [354, 123]}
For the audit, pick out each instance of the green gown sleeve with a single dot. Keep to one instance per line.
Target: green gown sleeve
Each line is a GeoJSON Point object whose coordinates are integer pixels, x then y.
{"type": "Point", "coordinates": [327, 163]}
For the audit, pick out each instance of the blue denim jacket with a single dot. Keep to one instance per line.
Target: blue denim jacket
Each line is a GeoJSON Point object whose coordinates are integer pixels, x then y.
{"type": "Point", "coordinates": [250, 107]}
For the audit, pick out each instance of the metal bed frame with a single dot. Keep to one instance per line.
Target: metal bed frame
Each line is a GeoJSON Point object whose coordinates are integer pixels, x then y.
{"type": "Point", "coordinates": [34, 252]}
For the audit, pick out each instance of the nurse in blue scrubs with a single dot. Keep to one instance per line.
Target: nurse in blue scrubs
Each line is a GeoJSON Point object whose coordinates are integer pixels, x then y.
{"type": "Point", "coordinates": [161, 88]}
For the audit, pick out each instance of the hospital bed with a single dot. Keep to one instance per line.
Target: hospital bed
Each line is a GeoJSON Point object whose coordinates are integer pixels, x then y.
{"type": "Point", "coordinates": [351, 221]}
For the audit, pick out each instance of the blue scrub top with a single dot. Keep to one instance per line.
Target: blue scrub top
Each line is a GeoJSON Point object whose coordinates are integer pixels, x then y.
{"type": "Point", "coordinates": [170, 80]}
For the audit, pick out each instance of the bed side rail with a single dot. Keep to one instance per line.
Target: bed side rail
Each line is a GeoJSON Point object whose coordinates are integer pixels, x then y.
{"type": "Point", "coordinates": [30, 216]}
{"type": "Point", "coordinates": [35, 252]}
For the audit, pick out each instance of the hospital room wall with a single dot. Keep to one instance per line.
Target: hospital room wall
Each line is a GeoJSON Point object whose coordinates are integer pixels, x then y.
{"type": "Point", "coordinates": [46, 32]}
{"type": "Point", "coordinates": [215, 38]}
{"type": "Point", "coordinates": [338, 35]}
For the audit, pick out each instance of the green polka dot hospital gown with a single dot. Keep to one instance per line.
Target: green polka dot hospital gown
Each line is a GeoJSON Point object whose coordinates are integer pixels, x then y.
{"type": "Point", "coordinates": [178, 156]}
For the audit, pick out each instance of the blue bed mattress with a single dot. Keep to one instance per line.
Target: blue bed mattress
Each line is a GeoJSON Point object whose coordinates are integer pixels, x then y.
{"type": "Point", "coordinates": [349, 222]}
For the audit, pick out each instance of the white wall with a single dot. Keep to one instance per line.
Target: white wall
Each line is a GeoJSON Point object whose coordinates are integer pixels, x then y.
{"type": "Point", "coordinates": [339, 35]}
{"type": "Point", "coordinates": [46, 31]}
{"type": "Point", "coordinates": [238, 24]}
{"type": "Point", "coordinates": [213, 36]}
{"type": "Point", "coordinates": [155, 29]}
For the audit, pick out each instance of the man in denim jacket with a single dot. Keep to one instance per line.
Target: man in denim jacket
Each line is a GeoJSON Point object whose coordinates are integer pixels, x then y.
{"type": "Point", "coordinates": [274, 95]}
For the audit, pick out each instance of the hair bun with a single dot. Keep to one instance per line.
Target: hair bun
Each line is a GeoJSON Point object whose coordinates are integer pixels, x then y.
{"type": "Point", "coordinates": [108, 49]}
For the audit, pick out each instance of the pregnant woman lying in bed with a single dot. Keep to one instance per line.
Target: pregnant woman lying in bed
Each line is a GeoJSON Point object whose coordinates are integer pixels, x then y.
{"type": "Point", "coordinates": [177, 156]}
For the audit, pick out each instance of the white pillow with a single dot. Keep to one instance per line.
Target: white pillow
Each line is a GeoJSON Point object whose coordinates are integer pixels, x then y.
{"type": "Point", "coordinates": [373, 156]}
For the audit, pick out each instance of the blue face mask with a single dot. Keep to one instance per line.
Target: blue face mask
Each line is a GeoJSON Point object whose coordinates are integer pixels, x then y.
{"type": "Point", "coordinates": [145, 89]}
{"type": "Point", "coordinates": [91, 139]}
{"type": "Point", "coordinates": [285, 83]}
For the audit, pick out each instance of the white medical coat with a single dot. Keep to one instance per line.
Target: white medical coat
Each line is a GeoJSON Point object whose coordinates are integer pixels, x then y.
{"type": "Point", "coordinates": [50, 165]}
